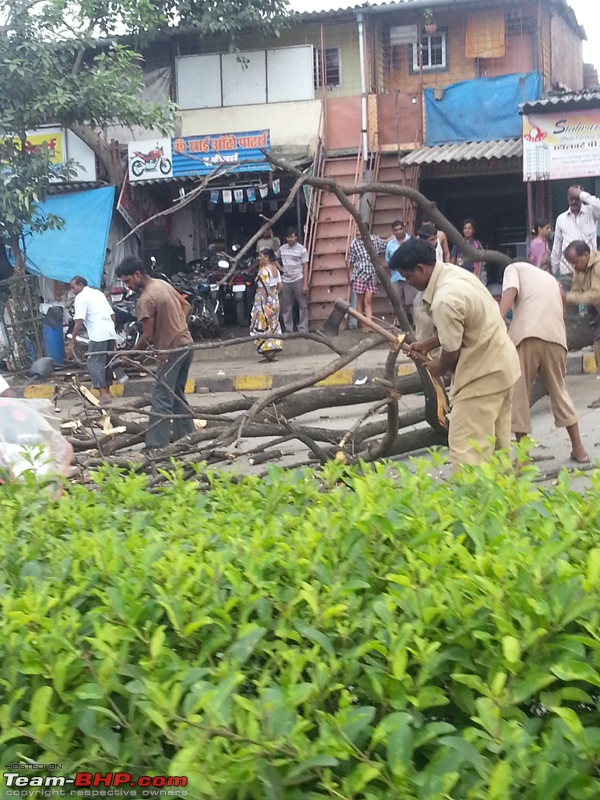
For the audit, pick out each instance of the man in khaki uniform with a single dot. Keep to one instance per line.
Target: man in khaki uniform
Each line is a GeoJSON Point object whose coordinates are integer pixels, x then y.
{"type": "Point", "coordinates": [475, 346]}
{"type": "Point", "coordinates": [585, 289]}
{"type": "Point", "coordinates": [538, 332]}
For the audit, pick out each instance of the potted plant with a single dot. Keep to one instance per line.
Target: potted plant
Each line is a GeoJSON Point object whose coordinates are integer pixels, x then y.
{"type": "Point", "coordinates": [429, 22]}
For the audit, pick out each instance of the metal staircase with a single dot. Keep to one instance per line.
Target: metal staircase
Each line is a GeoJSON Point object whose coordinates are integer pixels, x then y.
{"type": "Point", "coordinates": [329, 232]}
{"type": "Point", "coordinates": [330, 229]}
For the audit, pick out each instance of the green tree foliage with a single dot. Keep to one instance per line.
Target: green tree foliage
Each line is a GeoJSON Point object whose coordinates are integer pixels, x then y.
{"type": "Point", "coordinates": [58, 66]}
{"type": "Point", "coordinates": [368, 636]}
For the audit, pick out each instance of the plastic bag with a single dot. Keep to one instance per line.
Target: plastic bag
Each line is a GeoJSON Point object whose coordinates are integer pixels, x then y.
{"type": "Point", "coordinates": [30, 439]}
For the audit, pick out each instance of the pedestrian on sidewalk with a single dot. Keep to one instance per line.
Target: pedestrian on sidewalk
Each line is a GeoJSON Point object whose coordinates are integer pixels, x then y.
{"type": "Point", "coordinates": [585, 289]}
{"type": "Point", "coordinates": [475, 348]}
{"type": "Point", "coordinates": [538, 332]}
{"type": "Point", "coordinates": [163, 313]}
{"type": "Point", "coordinates": [264, 320]}
{"type": "Point", "coordinates": [362, 274]}
{"type": "Point", "coordinates": [437, 239]}
{"type": "Point", "coordinates": [539, 249]}
{"type": "Point", "coordinates": [468, 232]}
{"type": "Point", "coordinates": [293, 258]}
{"type": "Point", "coordinates": [403, 290]}
{"type": "Point", "coordinates": [93, 311]}
{"type": "Point", "coordinates": [578, 223]}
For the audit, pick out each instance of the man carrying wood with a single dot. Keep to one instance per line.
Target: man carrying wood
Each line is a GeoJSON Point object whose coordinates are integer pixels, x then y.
{"type": "Point", "coordinates": [475, 347]}
{"type": "Point", "coordinates": [163, 313]}
{"type": "Point", "coordinates": [538, 332]}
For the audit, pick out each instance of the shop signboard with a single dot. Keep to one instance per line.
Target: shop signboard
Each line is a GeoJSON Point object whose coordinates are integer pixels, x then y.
{"type": "Point", "coordinates": [63, 146]}
{"type": "Point", "coordinates": [561, 145]}
{"type": "Point", "coordinates": [53, 140]}
{"type": "Point", "coordinates": [188, 156]}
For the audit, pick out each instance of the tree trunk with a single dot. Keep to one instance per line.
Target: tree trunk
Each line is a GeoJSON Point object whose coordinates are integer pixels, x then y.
{"type": "Point", "coordinates": [103, 151]}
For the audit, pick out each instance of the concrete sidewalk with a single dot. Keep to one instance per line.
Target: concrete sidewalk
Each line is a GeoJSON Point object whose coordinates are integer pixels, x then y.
{"type": "Point", "coordinates": [236, 368]}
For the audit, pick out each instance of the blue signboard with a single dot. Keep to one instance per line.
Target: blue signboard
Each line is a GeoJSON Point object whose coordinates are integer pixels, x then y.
{"type": "Point", "coordinates": [198, 155]}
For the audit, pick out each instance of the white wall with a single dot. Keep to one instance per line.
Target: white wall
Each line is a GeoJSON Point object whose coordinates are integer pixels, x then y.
{"type": "Point", "coordinates": [183, 229]}
{"type": "Point", "coordinates": [291, 124]}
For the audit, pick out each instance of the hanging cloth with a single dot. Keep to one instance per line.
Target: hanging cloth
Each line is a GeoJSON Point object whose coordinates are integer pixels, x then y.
{"type": "Point", "coordinates": [486, 35]}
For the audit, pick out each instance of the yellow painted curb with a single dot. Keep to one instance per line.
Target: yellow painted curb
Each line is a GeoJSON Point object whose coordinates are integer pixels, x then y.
{"type": "Point", "coordinates": [589, 364]}
{"type": "Point", "coordinates": [405, 369]}
{"type": "Point", "coordinates": [41, 391]}
{"type": "Point", "coordinates": [190, 386]}
{"type": "Point", "coordinates": [342, 377]}
{"type": "Point", "coordinates": [252, 383]}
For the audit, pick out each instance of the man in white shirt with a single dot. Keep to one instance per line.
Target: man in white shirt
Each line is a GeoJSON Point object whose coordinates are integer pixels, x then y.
{"type": "Point", "coordinates": [93, 310]}
{"type": "Point", "coordinates": [293, 258]}
{"type": "Point", "coordinates": [579, 223]}
{"type": "Point", "coordinates": [538, 332]}
{"type": "Point", "coordinates": [405, 292]}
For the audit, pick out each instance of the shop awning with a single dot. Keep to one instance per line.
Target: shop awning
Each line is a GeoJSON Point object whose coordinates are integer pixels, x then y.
{"type": "Point", "coordinates": [465, 151]}
{"type": "Point", "coordinates": [79, 248]}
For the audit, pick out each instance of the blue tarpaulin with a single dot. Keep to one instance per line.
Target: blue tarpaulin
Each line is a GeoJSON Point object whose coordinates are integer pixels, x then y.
{"type": "Point", "coordinates": [480, 110]}
{"type": "Point", "coordinates": [79, 248]}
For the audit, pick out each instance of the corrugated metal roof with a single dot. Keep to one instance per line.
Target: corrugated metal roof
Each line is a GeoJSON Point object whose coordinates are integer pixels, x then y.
{"type": "Point", "coordinates": [465, 151]}
{"type": "Point", "coordinates": [567, 101]}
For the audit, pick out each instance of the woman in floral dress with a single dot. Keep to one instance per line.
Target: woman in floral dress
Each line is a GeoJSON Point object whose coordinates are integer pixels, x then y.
{"type": "Point", "coordinates": [264, 321]}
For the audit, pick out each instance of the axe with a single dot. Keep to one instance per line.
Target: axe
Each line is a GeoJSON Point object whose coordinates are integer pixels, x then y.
{"type": "Point", "coordinates": [436, 402]}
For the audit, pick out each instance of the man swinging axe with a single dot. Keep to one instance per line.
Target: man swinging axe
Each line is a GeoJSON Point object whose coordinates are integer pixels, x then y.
{"type": "Point", "coordinates": [475, 348]}
{"type": "Point", "coordinates": [163, 313]}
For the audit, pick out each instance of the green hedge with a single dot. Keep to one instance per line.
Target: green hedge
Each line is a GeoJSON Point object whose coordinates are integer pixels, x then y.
{"type": "Point", "coordinates": [336, 634]}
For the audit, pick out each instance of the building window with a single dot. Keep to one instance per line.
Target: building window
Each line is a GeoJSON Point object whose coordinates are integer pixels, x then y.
{"type": "Point", "coordinates": [332, 67]}
{"type": "Point", "coordinates": [434, 53]}
{"type": "Point", "coordinates": [518, 23]}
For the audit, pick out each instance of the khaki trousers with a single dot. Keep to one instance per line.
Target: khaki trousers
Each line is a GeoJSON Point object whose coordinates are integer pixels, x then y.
{"type": "Point", "coordinates": [550, 360]}
{"type": "Point", "coordinates": [478, 426]}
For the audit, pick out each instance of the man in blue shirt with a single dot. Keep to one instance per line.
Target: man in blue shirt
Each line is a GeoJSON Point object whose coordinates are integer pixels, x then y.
{"type": "Point", "coordinates": [405, 292]}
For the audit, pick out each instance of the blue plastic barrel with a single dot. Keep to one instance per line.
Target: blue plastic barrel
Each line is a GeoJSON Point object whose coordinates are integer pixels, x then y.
{"type": "Point", "coordinates": [54, 342]}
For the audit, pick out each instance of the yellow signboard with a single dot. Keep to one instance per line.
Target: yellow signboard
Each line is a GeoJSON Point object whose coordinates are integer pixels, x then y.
{"type": "Point", "coordinates": [53, 141]}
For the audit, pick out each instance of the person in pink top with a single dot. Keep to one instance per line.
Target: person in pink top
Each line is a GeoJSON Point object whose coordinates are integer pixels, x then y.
{"type": "Point", "coordinates": [539, 249]}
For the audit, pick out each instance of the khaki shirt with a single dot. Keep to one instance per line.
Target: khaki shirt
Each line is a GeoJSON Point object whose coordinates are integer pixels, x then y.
{"type": "Point", "coordinates": [467, 318]}
{"type": "Point", "coordinates": [585, 289]}
{"type": "Point", "coordinates": [538, 309]}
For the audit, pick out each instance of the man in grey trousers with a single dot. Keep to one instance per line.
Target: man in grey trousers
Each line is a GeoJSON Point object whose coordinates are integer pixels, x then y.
{"type": "Point", "coordinates": [93, 310]}
{"type": "Point", "coordinates": [293, 258]}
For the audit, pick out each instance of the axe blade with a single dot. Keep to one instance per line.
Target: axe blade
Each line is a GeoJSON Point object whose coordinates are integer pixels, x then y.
{"type": "Point", "coordinates": [331, 326]}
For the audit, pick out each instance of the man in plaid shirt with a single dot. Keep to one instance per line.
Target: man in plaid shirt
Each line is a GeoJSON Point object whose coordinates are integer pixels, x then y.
{"type": "Point", "coordinates": [362, 273]}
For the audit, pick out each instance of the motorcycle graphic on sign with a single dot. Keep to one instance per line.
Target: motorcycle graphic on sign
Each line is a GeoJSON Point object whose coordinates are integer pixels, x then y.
{"type": "Point", "coordinates": [145, 161]}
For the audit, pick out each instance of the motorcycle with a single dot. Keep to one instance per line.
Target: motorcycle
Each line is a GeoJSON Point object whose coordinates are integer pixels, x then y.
{"type": "Point", "coordinates": [204, 320]}
{"type": "Point", "coordinates": [209, 268]}
{"type": "Point", "coordinates": [148, 162]}
{"type": "Point", "coordinates": [240, 291]}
